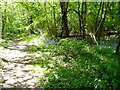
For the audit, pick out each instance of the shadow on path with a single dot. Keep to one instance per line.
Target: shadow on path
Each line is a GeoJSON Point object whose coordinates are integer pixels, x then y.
{"type": "Point", "coordinates": [16, 69]}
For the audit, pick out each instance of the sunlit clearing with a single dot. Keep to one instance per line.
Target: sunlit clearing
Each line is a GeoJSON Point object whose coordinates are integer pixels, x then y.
{"type": "Point", "coordinates": [37, 40]}
{"type": "Point", "coordinates": [39, 70]}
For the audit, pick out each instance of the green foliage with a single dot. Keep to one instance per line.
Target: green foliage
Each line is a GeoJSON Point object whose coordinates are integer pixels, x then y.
{"type": "Point", "coordinates": [4, 43]}
{"type": "Point", "coordinates": [33, 48]}
{"type": "Point", "coordinates": [70, 63]}
{"type": "Point", "coordinates": [27, 17]}
{"type": "Point", "coordinates": [74, 64]}
{"type": "Point", "coordinates": [28, 38]}
{"type": "Point", "coordinates": [70, 47]}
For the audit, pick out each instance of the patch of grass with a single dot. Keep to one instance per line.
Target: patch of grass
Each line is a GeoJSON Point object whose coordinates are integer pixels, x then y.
{"type": "Point", "coordinates": [74, 64]}
{"type": "Point", "coordinates": [4, 43]}
{"type": "Point", "coordinates": [28, 37]}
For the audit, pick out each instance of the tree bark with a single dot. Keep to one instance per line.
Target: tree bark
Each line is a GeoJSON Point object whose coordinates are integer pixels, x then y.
{"type": "Point", "coordinates": [117, 48]}
{"type": "Point", "coordinates": [54, 16]}
{"type": "Point", "coordinates": [65, 30]}
{"type": "Point", "coordinates": [79, 16]}
{"type": "Point", "coordinates": [30, 19]}
{"type": "Point", "coordinates": [3, 21]}
{"type": "Point", "coordinates": [47, 22]}
{"type": "Point", "coordinates": [82, 26]}
{"type": "Point", "coordinates": [0, 22]}
{"type": "Point", "coordinates": [99, 30]}
{"type": "Point", "coordinates": [84, 20]}
{"type": "Point", "coordinates": [31, 27]}
{"type": "Point", "coordinates": [96, 20]}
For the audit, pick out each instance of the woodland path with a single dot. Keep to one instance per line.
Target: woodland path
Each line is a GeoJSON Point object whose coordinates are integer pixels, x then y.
{"type": "Point", "coordinates": [16, 71]}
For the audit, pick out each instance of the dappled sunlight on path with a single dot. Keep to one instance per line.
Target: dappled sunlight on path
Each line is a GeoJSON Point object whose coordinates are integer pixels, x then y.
{"type": "Point", "coordinates": [15, 55]}
{"type": "Point", "coordinates": [16, 69]}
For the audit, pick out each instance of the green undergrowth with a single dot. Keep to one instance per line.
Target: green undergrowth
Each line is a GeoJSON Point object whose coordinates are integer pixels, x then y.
{"type": "Point", "coordinates": [27, 38]}
{"type": "Point", "coordinates": [4, 43]}
{"type": "Point", "coordinates": [74, 64]}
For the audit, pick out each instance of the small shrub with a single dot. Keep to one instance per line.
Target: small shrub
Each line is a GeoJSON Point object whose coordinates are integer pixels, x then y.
{"type": "Point", "coordinates": [70, 47]}
{"type": "Point", "coordinates": [4, 43]}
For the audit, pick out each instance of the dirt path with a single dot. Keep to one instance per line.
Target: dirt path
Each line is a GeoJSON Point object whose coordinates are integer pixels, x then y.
{"type": "Point", "coordinates": [16, 72]}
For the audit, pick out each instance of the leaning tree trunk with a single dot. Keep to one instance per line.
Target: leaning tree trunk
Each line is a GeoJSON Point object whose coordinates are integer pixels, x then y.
{"type": "Point", "coordinates": [78, 12]}
{"type": "Point", "coordinates": [65, 31]}
{"type": "Point", "coordinates": [96, 19]}
{"type": "Point", "coordinates": [99, 30]}
{"type": "Point", "coordinates": [117, 48]}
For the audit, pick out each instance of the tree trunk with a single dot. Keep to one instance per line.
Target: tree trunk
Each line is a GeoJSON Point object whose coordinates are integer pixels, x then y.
{"type": "Point", "coordinates": [65, 30]}
{"type": "Point", "coordinates": [3, 21]}
{"type": "Point", "coordinates": [3, 26]}
{"type": "Point", "coordinates": [0, 22]}
{"type": "Point", "coordinates": [82, 26]}
{"type": "Point", "coordinates": [55, 27]}
{"type": "Point", "coordinates": [79, 16]}
{"type": "Point", "coordinates": [99, 30]}
{"type": "Point", "coordinates": [31, 27]}
{"type": "Point", "coordinates": [30, 20]}
{"type": "Point", "coordinates": [45, 9]}
{"type": "Point", "coordinates": [96, 20]}
{"type": "Point", "coordinates": [84, 19]}
{"type": "Point", "coordinates": [117, 48]}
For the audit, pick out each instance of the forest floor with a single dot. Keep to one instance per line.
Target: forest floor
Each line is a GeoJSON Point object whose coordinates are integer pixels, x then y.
{"type": "Point", "coordinates": [41, 62]}
{"type": "Point", "coordinates": [16, 70]}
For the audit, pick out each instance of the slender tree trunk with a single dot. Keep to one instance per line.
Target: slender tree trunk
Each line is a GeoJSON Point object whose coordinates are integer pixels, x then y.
{"type": "Point", "coordinates": [96, 20]}
{"type": "Point", "coordinates": [54, 16]}
{"type": "Point", "coordinates": [31, 27]}
{"type": "Point", "coordinates": [0, 21]}
{"type": "Point", "coordinates": [3, 21]}
{"type": "Point", "coordinates": [79, 16]}
{"type": "Point", "coordinates": [82, 26]}
{"type": "Point", "coordinates": [99, 30]}
{"type": "Point", "coordinates": [30, 20]}
{"type": "Point", "coordinates": [3, 26]}
{"type": "Point", "coordinates": [84, 19]}
{"type": "Point", "coordinates": [117, 48]}
{"type": "Point", "coordinates": [47, 23]}
{"type": "Point", "coordinates": [65, 30]}
{"type": "Point", "coordinates": [119, 14]}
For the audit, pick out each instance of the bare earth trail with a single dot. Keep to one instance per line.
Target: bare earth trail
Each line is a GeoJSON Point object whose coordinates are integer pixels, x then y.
{"type": "Point", "coordinates": [16, 72]}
